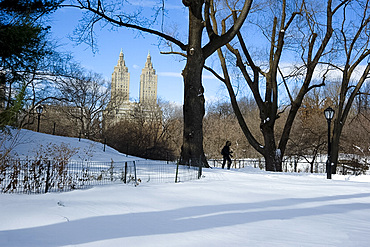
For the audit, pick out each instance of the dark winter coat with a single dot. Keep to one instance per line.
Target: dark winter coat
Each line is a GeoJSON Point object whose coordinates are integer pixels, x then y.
{"type": "Point", "coordinates": [226, 151]}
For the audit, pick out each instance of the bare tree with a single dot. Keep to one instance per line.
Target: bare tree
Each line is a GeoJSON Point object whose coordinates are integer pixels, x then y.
{"type": "Point", "coordinates": [172, 127]}
{"type": "Point", "coordinates": [221, 125]}
{"type": "Point", "coordinates": [353, 44]}
{"type": "Point", "coordinates": [148, 131]}
{"type": "Point", "coordinates": [305, 27]}
{"type": "Point", "coordinates": [196, 48]}
{"type": "Point", "coordinates": [308, 136]}
{"type": "Point", "coordinates": [85, 96]}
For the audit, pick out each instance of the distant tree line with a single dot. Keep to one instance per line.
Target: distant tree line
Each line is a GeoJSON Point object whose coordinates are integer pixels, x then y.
{"type": "Point", "coordinates": [308, 139]}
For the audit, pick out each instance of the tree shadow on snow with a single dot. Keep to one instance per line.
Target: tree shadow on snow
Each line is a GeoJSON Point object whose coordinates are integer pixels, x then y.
{"type": "Point", "coordinates": [179, 220]}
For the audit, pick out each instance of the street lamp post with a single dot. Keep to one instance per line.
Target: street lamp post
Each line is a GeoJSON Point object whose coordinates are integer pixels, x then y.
{"type": "Point", "coordinates": [39, 109]}
{"type": "Point", "coordinates": [329, 114]}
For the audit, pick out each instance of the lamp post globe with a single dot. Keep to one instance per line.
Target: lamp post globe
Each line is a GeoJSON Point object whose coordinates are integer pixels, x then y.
{"type": "Point", "coordinates": [39, 109]}
{"type": "Point", "coordinates": [329, 114]}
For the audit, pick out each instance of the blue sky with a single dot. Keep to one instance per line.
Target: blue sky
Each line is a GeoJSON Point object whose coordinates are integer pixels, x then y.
{"type": "Point", "coordinates": [135, 48]}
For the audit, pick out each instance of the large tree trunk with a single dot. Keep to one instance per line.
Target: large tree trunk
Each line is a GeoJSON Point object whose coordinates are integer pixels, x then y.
{"type": "Point", "coordinates": [273, 160]}
{"type": "Point", "coordinates": [272, 155]}
{"type": "Point", "coordinates": [192, 148]}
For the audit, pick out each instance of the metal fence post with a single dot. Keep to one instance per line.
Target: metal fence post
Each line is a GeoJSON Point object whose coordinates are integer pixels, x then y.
{"type": "Point", "coordinates": [125, 177]}
{"type": "Point", "coordinates": [200, 168]}
{"type": "Point", "coordinates": [111, 170]}
{"type": "Point", "coordinates": [47, 177]}
{"type": "Point", "coordinates": [177, 172]}
{"type": "Point", "coordinates": [135, 173]}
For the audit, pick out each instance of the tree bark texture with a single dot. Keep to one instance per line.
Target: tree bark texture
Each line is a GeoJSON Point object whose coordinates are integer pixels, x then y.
{"type": "Point", "coordinates": [193, 110]}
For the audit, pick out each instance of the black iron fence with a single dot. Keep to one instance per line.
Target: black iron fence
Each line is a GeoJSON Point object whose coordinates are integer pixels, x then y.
{"type": "Point", "coordinates": [238, 163]}
{"type": "Point", "coordinates": [42, 176]}
{"type": "Point", "coordinates": [292, 164]}
{"type": "Point", "coordinates": [288, 165]}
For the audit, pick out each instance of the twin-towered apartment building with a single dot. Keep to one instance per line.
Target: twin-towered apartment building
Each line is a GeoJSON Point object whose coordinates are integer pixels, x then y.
{"type": "Point", "coordinates": [120, 107]}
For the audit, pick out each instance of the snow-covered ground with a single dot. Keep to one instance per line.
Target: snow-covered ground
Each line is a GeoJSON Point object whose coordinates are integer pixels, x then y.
{"type": "Point", "coordinates": [245, 207]}
{"type": "Point", "coordinates": [24, 143]}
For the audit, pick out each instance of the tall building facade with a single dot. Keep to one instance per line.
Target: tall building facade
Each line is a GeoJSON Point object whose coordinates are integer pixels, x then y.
{"type": "Point", "coordinates": [148, 83]}
{"type": "Point", "coordinates": [120, 86]}
{"type": "Point", "coordinates": [120, 107]}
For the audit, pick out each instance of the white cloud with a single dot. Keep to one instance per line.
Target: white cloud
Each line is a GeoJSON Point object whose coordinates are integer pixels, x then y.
{"type": "Point", "coordinates": [170, 74]}
{"type": "Point", "coordinates": [209, 77]}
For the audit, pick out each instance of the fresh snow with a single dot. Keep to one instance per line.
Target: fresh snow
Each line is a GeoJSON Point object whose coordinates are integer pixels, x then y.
{"type": "Point", "coordinates": [245, 207]}
{"type": "Point", "coordinates": [27, 142]}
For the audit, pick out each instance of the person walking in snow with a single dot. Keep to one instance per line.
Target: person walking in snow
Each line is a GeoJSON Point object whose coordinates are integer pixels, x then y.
{"type": "Point", "coordinates": [226, 154]}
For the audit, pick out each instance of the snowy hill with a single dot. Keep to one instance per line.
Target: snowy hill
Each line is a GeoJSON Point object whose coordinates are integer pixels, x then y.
{"type": "Point", "coordinates": [25, 143]}
{"type": "Point", "coordinates": [245, 207]}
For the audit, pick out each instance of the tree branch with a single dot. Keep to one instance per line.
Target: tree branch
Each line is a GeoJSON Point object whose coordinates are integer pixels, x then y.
{"type": "Point", "coordinates": [174, 53]}
{"type": "Point", "coordinates": [214, 73]}
{"type": "Point", "coordinates": [286, 85]}
{"type": "Point", "coordinates": [99, 11]}
{"type": "Point", "coordinates": [225, 38]}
